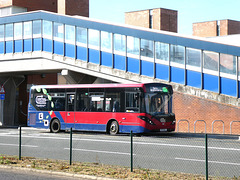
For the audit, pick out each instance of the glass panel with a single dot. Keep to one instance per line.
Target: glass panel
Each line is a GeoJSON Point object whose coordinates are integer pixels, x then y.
{"type": "Point", "coordinates": [47, 29]}
{"type": "Point", "coordinates": [81, 35]}
{"type": "Point", "coordinates": [177, 54]}
{"type": "Point", "coordinates": [239, 66]}
{"type": "Point", "coordinates": [1, 32]}
{"type": "Point", "coordinates": [193, 57]}
{"type": "Point", "coordinates": [27, 27]}
{"type": "Point", "coordinates": [227, 63]}
{"type": "Point", "coordinates": [70, 34]}
{"type": "Point", "coordinates": [37, 28]}
{"type": "Point", "coordinates": [93, 38]}
{"type": "Point", "coordinates": [133, 45]}
{"type": "Point", "coordinates": [96, 102]}
{"type": "Point", "coordinates": [132, 102]}
{"type": "Point", "coordinates": [106, 40]}
{"type": "Point", "coordinates": [157, 103]}
{"type": "Point", "coordinates": [18, 30]}
{"type": "Point", "coordinates": [58, 31]}
{"type": "Point", "coordinates": [162, 51]}
{"type": "Point", "coordinates": [119, 43]}
{"type": "Point", "coordinates": [9, 32]}
{"type": "Point", "coordinates": [146, 48]}
{"type": "Point", "coordinates": [210, 60]}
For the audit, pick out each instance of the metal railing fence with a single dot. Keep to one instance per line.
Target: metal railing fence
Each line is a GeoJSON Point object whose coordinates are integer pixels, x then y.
{"type": "Point", "coordinates": [203, 155]}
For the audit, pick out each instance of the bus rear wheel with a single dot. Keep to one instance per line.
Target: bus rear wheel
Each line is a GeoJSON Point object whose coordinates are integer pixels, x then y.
{"type": "Point", "coordinates": [113, 128]}
{"type": "Point", "coordinates": [55, 126]}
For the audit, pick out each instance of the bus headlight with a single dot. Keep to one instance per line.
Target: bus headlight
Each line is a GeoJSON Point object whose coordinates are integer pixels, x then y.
{"type": "Point", "coordinates": [146, 119]}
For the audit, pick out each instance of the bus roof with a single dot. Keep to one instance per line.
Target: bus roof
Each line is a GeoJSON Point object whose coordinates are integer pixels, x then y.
{"type": "Point", "coordinates": [140, 85]}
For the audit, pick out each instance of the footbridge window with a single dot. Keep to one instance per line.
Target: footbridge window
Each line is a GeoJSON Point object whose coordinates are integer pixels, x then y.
{"type": "Point", "coordinates": [162, 51]}
{"type": "Point", "coordinates": [119, 44]}
{"type": "Point", "coordinates": [9, 32]}
{"type": "Point", "coordinates": [37, 28]}
{"type": "Point", "coordinates": [133, 46]}
{"type": "Point", "coordinates": [47, 29]}
{"type": "Point", "coordinates": [106, 41]}
{"type": "Point", "coordinates": [93, 39]}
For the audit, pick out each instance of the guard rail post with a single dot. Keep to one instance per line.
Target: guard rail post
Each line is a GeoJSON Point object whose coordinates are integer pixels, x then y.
{"type": "Point", "coordinates": [20, 143]}
{"type": "Point", "coordinates": [131, 134]}
{"type": "Point", "coordinates": [206, 153]}
{"type": "Point", "coordinates": [70, 146]}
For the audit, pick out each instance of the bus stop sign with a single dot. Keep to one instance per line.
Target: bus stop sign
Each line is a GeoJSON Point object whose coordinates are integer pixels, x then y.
{"type": "Point", "coordinates": [2, 93]}
{"type": "Point", "coordinates": [2, 96]}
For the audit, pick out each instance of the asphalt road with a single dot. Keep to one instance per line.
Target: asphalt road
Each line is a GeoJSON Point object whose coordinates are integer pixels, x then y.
{"type": "Point", "coordinates": [168, 152]}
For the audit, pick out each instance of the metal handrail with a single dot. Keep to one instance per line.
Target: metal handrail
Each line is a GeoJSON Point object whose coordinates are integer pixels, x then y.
{"type": "Point", "coordinates": [195, 125]}
{"type": "Point", "coordinates": [185, 121]}
{"type": "Point", "coordinates": [218, 121]}
{"type": "Point", "coordinates": [231, 126]}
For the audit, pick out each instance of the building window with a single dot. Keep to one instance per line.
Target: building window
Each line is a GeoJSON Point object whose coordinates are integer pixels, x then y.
{"type": "Point", "coordinates": [58, 31]}
{"type": "Point", "coordinates": [228, 64]}
{"type": "Point", "coordinates": [1, 32]}
{"type": "Point", "coordinates": [193, 57]}
{"type": "Point", "coordinates": [47, 29]}
{"type": "Point", "coordinates": [133, 45]}
{"type": "Point", "coordinates": [17, 31]}
{"type": "Point", "coordinates": [81, 36]}
{"type": "Point", "coordinates": [162, 51]}
{"type": "Point", "coordinates": [146, 48]}
{"type": "Point", "coordinates": [119, 43]}
{"type": "Point", "coordinates": [9, 32]}
{"type": "Point", "coordinates": [106, 41]}
{"type": "Point", "coordinates": [37, 28]}
{"type": "Point", "coordinates": [177, 54]}
{"type": "Point", "coordinates": [93, 39]}
{"type": "Point", "coordinates": [210, 60]}
{"type": "Point", "coordinates": [70, 34]}
{"type": "Point", "coordinates": [151, 18]}
{"type": "Point", "coordinates": [27, 30]}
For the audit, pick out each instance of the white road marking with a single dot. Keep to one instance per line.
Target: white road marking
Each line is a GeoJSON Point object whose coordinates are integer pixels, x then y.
{"type": "Point", "coordinates": [3, 144]}
{"type": "Point", "coordinates": [216, 162]}
{"type": "Point", "coordinates": [107, 152]}
{"type": "Point", "coordinates": [123, 142]}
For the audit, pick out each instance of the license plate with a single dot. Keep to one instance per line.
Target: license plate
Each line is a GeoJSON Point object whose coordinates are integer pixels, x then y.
{"type": "Point", "coordinates": [163, 130]}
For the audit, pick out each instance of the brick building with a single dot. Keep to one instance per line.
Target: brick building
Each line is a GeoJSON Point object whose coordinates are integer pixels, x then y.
{"type": "Point", "coordinates": [159, 18]}
{"type": "Point", "coordinates": [216, 28]}
{"type": "Point", "coordinates": [67, 7]}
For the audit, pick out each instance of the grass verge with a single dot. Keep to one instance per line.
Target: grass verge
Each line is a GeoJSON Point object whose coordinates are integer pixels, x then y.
{"type": "Point", "coordinates": [100, 170]}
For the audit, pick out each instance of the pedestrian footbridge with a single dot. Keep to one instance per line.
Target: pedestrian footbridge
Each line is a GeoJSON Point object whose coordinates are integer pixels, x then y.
{"type": "Point", "coordinates": [47, 42]}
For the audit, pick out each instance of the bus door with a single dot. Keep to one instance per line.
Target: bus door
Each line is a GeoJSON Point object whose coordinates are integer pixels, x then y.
{"type": "Point", "coordinates": [70, 111]}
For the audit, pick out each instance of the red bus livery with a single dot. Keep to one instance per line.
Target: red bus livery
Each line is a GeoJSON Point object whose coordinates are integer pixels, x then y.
{"type": "Point", "coordinates": [112, 108]}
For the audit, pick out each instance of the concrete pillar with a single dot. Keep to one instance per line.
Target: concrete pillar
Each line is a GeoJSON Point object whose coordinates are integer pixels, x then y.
{"type": "Point", "coordinates": [10, 84]}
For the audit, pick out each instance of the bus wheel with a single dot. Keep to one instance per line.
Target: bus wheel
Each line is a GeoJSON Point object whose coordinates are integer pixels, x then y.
{"type": "Point", "coordinates": [55, 126]}
{"type": "Point", "coordinates": [113, 128]}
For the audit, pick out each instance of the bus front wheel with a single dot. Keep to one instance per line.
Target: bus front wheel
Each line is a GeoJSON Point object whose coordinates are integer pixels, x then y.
{"type": "Point", "coordinates": [113, 128]}
{"type": "Point", "coordinates": [55, 126]}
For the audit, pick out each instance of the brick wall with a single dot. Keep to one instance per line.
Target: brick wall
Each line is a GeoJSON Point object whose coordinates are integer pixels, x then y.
{"type": "Point", "coordinates": [168, 20]}
{"type": "Point", "coordinates": [5, 3]}
{"type": "Point", "coordinates": [33, 5]}
{"type": "Point", "coordinates": [233, 27]}
{"type": "Point", "coordinates": [205, 29]}
{"type": "Point", "coordinates": [162, 19]}
{"type": "Point", "coordinates": [193, 108]}
{"type": "Point", "coordinates": [77, 7]}
{"type": "Point", "coordinates": [69, 7]}
{"type": "Point", "coordinates": [137, 18]}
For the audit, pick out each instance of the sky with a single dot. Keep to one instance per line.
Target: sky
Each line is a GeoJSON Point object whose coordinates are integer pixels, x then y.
{"type": "Point", "coordinates": [189, 11]}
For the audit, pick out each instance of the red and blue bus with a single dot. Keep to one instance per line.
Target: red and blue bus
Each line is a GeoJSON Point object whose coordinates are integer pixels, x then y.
{"type": "Point", "coordinates": [112, 108]}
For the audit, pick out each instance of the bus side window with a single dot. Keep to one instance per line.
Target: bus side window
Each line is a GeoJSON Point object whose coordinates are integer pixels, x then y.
{"type": "Point", "coordinates": [132, 102]}
{"type": "Point", "coordinates": [82, 102]}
